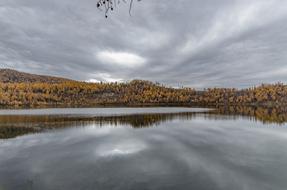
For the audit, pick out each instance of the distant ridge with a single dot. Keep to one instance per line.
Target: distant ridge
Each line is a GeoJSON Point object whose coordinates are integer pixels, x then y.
{"type": "Point", "coordinates": [18, 89]}
{"type": "Point", "coordinates": [13, 76]}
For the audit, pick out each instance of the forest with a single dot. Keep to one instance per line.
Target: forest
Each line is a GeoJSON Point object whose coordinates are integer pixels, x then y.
{"type": "Point", "coordinates": [134, 93]}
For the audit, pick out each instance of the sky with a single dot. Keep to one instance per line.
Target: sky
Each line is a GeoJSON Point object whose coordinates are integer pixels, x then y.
{"type": "Point", "coordinates": [194, 43]}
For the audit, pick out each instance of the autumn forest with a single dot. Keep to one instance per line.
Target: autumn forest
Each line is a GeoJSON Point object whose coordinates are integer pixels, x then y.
{"type": "Point", "coordinates": [25, 92]}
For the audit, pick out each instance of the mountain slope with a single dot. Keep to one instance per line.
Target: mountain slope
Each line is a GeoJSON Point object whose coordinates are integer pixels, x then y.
{"type": "Point", "coordinates": [13, 76]}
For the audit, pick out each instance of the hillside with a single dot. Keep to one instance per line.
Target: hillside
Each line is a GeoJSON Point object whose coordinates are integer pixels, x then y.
{"type": "Point", "coordinates": [22, 89]}
{"type": "Point", "coordinates": [13, 76]}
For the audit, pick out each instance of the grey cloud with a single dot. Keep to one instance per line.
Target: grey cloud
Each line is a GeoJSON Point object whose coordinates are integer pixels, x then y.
{"type": "Point", "coordinates": [222, 43]}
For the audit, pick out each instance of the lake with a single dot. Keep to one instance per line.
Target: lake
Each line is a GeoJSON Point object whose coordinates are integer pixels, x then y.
{"type": "Point", "coordinates": [143, 149]}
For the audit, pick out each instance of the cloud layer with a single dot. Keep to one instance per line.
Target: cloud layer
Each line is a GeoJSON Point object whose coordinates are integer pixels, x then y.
{"type": "Point", "coordinates": [236, 43]}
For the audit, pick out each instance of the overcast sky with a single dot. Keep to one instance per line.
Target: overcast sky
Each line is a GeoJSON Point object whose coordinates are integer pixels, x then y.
{"type": "Point", "coordinates": [196, 43]}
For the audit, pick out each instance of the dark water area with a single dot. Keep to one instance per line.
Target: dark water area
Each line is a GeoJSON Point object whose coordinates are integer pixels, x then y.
{"type": "Point", "coordinates": [138, 148]}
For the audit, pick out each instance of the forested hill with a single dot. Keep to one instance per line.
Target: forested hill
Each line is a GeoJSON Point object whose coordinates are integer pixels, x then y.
{"type": "Point", "coordinates": [22, 89]}
{"type": "Point", "coordinates": [12, 76]}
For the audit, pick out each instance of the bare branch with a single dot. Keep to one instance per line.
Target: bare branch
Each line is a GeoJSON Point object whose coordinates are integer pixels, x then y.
{"type": "Point", "coordinates": [110, 5]}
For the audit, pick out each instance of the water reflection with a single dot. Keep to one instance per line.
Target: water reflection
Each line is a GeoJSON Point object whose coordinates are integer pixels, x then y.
{"type": "Point", "coordinates": [196, 153]}
{"type": "Point", "coordinates": [16, 125]}
{"type": "Point", "coordinates": [265, 115]}
{"type": "Point", "coordinates": [12, 126]}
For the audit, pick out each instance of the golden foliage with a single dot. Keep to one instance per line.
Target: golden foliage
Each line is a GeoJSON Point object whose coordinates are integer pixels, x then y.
{"type": "Point", "coordinates": [137, 92]}
{"type": "Point", "coordinates": [262, 95]}
{"type": "Point", "coordinates": [81, 93]}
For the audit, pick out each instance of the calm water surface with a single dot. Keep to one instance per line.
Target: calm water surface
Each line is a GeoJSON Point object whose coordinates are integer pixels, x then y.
{"type": "Point", "coordinates": [142, 149]}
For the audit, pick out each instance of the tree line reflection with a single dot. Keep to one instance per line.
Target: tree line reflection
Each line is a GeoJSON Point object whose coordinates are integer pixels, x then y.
{"type": "Point", "coordinates": [13, 126]}
{"type": "Point", "coordinates": [266, 115]}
